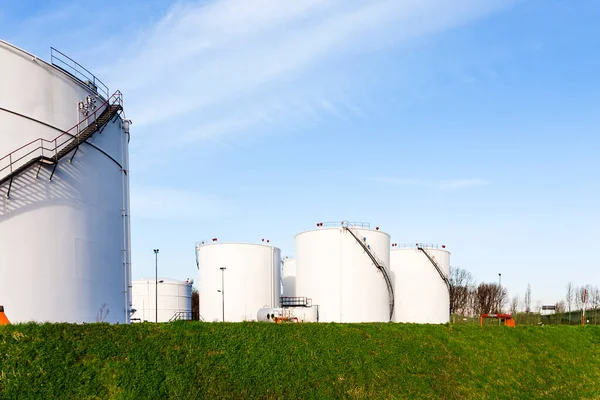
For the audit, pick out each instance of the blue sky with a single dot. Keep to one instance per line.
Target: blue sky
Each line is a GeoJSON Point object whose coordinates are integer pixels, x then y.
{"type": "Point", "coordinates": [472, 123]}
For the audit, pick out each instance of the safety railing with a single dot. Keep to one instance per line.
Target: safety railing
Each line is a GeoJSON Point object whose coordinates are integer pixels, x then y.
{"type": "Point", "coordinates": [50, 149]}
{"type": "Point", "coordinates": [433, 261]}
{"type": "Point", "coordinates": [417, 245]}
{"type": "Point", "coordinates": [73, 68]}
{"type": "Point", "coordinates": [287, 301]}
{"type": "Point", "coordinates": [183, 316]}
{"type": "Point", "coordinates": [337, 224]}
{"type": "Point", "coordinates": [378, 264]}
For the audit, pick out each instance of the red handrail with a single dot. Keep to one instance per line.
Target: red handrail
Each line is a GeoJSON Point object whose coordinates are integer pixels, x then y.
{"type": "Point", "coordinates": [116, 98]}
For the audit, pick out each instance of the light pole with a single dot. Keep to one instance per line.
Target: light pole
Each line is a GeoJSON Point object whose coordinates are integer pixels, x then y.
{"type": "Point", "coordinates": [500, 292]}
{"type": "Point", "coordinates": [156, 284]}
{"type": "Point", "coordinates": [222, 291]}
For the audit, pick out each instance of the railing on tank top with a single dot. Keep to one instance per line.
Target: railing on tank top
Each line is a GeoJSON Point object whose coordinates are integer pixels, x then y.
{"type": "Point", "coordinates": [350, 224]}
{"type": "Point", "coordinates": [73, 68]}
{"type": "Point", "coordinates": [417, 245]}
{"type": "Point", "coordinates": [50, 148]}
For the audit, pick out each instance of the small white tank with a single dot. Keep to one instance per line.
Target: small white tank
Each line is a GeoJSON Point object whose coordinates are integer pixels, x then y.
{"type": "Point", "coordinates": [422, 295]}
{"type": "Point", "coordinates": [174, 300]}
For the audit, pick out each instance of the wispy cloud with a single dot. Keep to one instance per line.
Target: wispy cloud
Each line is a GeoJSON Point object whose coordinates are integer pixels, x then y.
{"type": "Point", "coordinates": [171, 203]}
{"type": "Point", "coordinates": [222, 63]}
{"type": "Point", "coordinates": [455, 184]}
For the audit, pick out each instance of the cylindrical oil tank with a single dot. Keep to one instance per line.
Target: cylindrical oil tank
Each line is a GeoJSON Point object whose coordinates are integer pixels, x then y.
{"type": "Point", "coordinates": [174, 300]}
{"type": "Point", "coordinates": [237, 279]}
{"type": "Point", "coordinates": [422, 296]}
{"type": "Point", "coordinates": [288, 277]}
{"type": "Point", "coordinates": [64, 197]}
{"type": "Point", "coordinates": [334, 270]}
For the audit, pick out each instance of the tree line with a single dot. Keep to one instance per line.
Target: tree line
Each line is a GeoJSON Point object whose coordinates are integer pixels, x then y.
{"type": "Point", "coordinates": [468, 298]}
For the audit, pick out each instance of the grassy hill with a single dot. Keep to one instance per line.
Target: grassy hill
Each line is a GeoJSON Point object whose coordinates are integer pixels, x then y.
{"type": "Point", "coordinates": [259, 360]}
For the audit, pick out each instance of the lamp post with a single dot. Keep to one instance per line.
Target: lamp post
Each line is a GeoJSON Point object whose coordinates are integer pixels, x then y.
{"type": "Point", "coordinates": [156, 284]}
{"type": "Point", "coordinates": [223, 291]}
{"type": "Point", "coordinates": [500, 291]}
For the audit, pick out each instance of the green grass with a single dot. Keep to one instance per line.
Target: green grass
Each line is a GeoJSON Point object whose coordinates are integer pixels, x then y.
{"type": "Point", "coordinates": [304, 361]}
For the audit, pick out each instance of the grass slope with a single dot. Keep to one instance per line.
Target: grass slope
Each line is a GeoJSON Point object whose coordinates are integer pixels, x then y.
{"type": "Point", "coordinates": [259, 360]}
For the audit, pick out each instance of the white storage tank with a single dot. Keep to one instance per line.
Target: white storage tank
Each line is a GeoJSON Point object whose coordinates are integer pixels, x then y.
{"type": "Point", "coordinates": [335, 271]}
{"type": "Point", "coordinates": [174, 300]}
{"type": "Point", "coordinates": [237, 279]}
{"type": "Point", "coordinates": [64, 193]}
{"type": "Point", "coordinates": [419, 273]}
{"type": "Point", "coordinates": [288, 277]}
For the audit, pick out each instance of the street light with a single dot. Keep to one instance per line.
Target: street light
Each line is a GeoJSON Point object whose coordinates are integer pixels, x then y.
{"type": "Point", "coordinates": [222, 291]}
{"type": "Point", "coordinates": [156, 284]}
{"type": "Point", "coordinates": [499, 293]}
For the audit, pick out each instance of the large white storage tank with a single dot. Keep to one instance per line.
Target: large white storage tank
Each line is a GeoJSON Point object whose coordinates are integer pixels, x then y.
{"type": "Point", "coordinates": [288, 277]}
{"type": "Point", "coordinates": [422, 294]}
{"type": "Point", "coordinates": [174, 300]}
{"type": "Point", "coordinates": [242, 277]}
{"type": "Point", "coordinates": [64, 226]}
{"type": "Point", "coordinates": [341, 278]}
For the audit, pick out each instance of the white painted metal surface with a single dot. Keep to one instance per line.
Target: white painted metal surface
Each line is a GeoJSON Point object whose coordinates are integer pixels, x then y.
{"type": "Point", "coordinates": [251, 280]}
{"type": "Point", "coordinates": [174, 296]}
{"type": "Point", "coordinates": [421, 294]}
{"type": "Point", "coordinates": [288, 274]}
{"type": "Point", "coordinates": [64, 243]}
{"type": "Point", "coordinates": [334, 271]}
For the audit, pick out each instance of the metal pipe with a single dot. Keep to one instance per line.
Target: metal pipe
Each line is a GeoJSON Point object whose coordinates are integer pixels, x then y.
{"type": "Point", "coordinates": [156, 285]}
{"type": "Point", "coordinates": [223, 291]}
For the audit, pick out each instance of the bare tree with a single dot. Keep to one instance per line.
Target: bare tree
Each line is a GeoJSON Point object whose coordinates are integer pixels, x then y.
{"type": "Point", "coordinates": [560, 307]}
{"type": "Point", "coordinates": [569, 295]}
{"type": "Point", "coordinates": [195, 304]}
{"type": "Point", "coordinates": [461, 284]}
{"type": "Point", "coordinates": [595, 301]}
{"type": "Point", "coordinates": [527, 299]}
{"type": "Point", "coordinates": [489, 297]}
{"type": "Point", "coordinates": [514, 305]}
{"type": "Point", "coordinates": [578, 296]}
{"type": "Point", "coordinates": [594, 297]}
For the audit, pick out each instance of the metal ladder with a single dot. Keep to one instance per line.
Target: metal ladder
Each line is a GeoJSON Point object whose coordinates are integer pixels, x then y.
{"type": "Point", "coordinates": [378, 263]}
{"type": "Point", "coordinates": [49, 152]}
{"type": "Point", "coordinates": [436, 266]}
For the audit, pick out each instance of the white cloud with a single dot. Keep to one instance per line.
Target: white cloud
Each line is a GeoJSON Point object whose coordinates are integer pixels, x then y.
{"type": "Point", "coordinates": [438, 185]}
{"type": "Point", "coordinates": [235, 55]}
{"type": "Point", "coordinates": [171, 203]}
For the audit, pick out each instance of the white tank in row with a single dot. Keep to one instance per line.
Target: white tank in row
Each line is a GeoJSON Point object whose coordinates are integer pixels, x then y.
{"type": "Point", "coordinates": [344, 269]}
{"type": "Point", "coordinates": [64, 192]}
{"type": "Point", "coordinates": [420, 274]}
{"type": "Point", "coordinates": [235, 280]}
{"type": "Point", "coordinates": [174, 300]}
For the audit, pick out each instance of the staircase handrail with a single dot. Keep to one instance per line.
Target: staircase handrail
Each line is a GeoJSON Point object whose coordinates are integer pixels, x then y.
{"type": "Point", "coordinates": [115, 99]}
{"type": "Point", "coordinates": [337, 224]}
{"type": "Point", "coordinates": [58, 56]}
{"type": "Point", "coordinates": [380, 266]}
{"type": "Point", "coordinates": [437, 267]}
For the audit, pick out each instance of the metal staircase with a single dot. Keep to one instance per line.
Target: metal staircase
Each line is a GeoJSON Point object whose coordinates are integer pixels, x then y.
{"type": "Point", "coordinates": [436, 266]}
{"type": "Point", "coordinates": [49, 152]}
{"type": "Point", "coordinates": [185, 316]}
{"type": "Point", "coordinates": [377, 262]}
